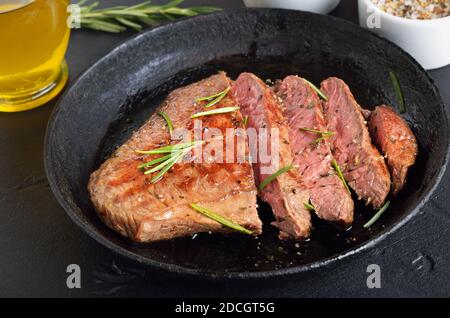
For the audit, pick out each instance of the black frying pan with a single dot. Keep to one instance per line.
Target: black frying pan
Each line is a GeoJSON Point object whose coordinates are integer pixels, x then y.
{"type": "Point", "coordinates": [117, 94]}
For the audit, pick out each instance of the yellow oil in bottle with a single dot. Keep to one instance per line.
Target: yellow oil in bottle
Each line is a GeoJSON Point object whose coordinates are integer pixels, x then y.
{"type": "Point", "coordinates": [33, 41]}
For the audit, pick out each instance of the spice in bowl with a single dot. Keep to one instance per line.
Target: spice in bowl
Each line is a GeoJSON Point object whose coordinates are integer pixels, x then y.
{"type": "Point", "coordinates": [415, 9]}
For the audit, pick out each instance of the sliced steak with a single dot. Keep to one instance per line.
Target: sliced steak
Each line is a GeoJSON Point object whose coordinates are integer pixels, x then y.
{"type": "Point", "coordinates": [362, 165]}
{"type": "Point", "coordinates": [392, 135]}
{"type": "Point", "coordinates": [129, 203]}
{"type": "Point", "coordinates": [287, 198]}
{"type": "Point", "coordinates": [312, 155]}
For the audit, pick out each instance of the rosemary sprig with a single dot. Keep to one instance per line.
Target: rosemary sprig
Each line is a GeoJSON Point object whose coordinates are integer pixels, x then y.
{"type": "Point", "coordinates": [222, 110]}
{"type": "Point", "coordinates": [171, 161]}
{"type": "Point", "coordinates": [168, 121]}
{"type": "Point", "coordinates": [220, 219]}
{"type": "Point", "coordinates": [272, 177]}
{"type": "Point", "coordinates": [214, 99]}
{"type": "Point", "coordinates": [166, 167]}
{"type": "Point", "coordinates": [120, 18]}
{"type": "Point", "coordinates": [317, 90]}
{"type": "Point", "coordinates": [340, 175]}
{"type": "Point", "coordinates": [323, 134]}
{"type": "Point", "coordinates": [398, 92]}
{"type": "Point", "coordinates": [309, 206]}
{"type": "Point", "coordinates": [164, 163]}
{"type": "Point", "coordinates": [377, 215]}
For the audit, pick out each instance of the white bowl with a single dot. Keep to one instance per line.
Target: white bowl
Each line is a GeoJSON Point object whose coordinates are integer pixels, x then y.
{"type": "Point", "coordinates": [428, 41]}
{"type": "Point", "coordinates": [317, 6]}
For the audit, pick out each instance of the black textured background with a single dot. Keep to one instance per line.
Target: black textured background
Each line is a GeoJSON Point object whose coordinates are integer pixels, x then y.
{"type": "Point", "coordinates": [37, 240]}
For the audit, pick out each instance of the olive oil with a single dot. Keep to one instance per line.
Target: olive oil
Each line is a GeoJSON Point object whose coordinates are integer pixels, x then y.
{"type": "Point", "coordinates": [33, 40]}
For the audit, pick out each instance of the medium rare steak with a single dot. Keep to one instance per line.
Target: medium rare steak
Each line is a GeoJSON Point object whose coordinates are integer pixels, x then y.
{"type": "Point", "coordinates": [363, 166]}
{"type": "Point", "coordinates": [312, 153]}
{"type": "Point", "coordinates": [284, 194]}
{"type": "Point", "coordinates": [396, 141]}
{"type": "Point", "coordinates": [128, 202]}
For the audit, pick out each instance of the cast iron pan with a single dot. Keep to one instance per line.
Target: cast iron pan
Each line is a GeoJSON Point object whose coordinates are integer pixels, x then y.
{"type": "Point", "coordinates": [117, 94]}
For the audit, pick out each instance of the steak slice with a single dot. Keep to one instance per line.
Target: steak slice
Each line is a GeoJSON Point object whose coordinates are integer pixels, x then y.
{"type": "Point", "coordinates": [129, 203]}
{"type": "Point", "coordinates": [362, 165]}
{"type": "Point", "coordinates": [284, 194]}
{"type": "Point", "coordinates": [312, 156]}
{"type": "Point", "coordinates": [392, 135]}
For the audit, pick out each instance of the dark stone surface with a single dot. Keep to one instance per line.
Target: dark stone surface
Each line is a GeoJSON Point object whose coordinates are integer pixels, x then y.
{"type": "Point", "coordinates": [38, 241]}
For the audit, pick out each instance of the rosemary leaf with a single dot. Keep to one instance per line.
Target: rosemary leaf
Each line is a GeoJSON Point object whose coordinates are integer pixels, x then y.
{"type": "Point", "coordinates": [155, 161]}
{"type": "Point", "coordinates": [180, 12]}
{"type": "Point", "coordinates": [211, 97]}
{"type": "Point", "coordinates": [87, 8]}
{"type": "Point", "coordinates": [377, 215]}
{"type": "Point", "coordinates": [168, 121]}
{"type": "Point", "coordinates": [340, 175]}
{"type": "Point", "coordinates": [205, 9]}
{"type": "Point", "coordinates": [398, 92]}
{"type": "Point", "coordinates": [163, 172]}
{"type": "Point", "coordinates": [166, 15]}
{"type": "Point", "coordinates": [309, 206]}
{"type": "Point", "coordinates": [272, 177]}
{"type": "Point", "coordinates": [169, 148]}
{"type": "Point", "coordinates": [318, 141]}
{"type": "Point", "coordinates": [245, 121]}
{"type": "Point", "coordinates": [103, 26]}
{"type": "Point", "coordinates": [220, 219]}
{"type": "Point", "coordinates": [149, 21]}
{"type": "Point", "coordinates": [218, 99]}
{"type": "Point", "coordinates": [323, 134]}
{"type": "Point", "coordinates": [171, 161]}
{"type": "Point", "coordinates": [129, 23]}
{"type": "Point", "coordinates": [172, 3]}
{"type": "Point", "coordinates": [222, 110]}
{"type": "Point", "coordinates": [317, 90]}
{"type": "Point", "coordinates": [142, 5]}
{"type": "Point", "coordinates": [81, 2]}
{"type": "Point", "coordinates": [125, 12]}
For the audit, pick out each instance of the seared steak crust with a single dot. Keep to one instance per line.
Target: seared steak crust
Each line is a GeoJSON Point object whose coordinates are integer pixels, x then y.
{"type": "Point", "coordinates": [312, 157]}
{"type": "Point", "coordinates": [363, 166]}
{"type": "Point", "coordinates": [284, 194]}
{"type": "Point", "coordinates": [396, 141]}
{"type": "Point", "coordinates": [129, 203]}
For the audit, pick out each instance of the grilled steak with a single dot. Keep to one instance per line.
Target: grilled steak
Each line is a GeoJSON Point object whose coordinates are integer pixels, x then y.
{"type": "Point", "coordinates": [396, 141]}
{"type": "Point", "coordinates": [362, 165]}
{"type": "Point", "coordinates": [312, 153]}
{"type": "Point", "coordinates": [129, 203]}
{"type": "Point", "coordinates": [284, 194]}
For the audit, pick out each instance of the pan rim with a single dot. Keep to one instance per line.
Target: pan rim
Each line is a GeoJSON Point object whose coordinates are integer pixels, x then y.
{"type": "Point", "coordinates": [70, 207]}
